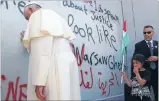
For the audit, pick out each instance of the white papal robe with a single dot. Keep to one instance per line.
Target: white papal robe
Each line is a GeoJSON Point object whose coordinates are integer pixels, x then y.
{"type": "Point", "coordinates": [51, 62]}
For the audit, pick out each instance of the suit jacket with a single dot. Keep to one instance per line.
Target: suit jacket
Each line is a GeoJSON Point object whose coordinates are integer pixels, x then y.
{"type": "Point", "coordinates": [142, 48]}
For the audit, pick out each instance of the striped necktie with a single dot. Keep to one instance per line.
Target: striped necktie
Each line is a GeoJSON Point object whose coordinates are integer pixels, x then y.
{"type": "Point", "coordinates": [152, 64]}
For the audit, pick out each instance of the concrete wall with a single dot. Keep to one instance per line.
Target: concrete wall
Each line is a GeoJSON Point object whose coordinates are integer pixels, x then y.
{"type": "Point", "coordinates": [14, 61]}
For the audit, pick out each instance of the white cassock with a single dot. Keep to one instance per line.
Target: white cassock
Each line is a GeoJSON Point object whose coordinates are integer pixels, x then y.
{"type": "Point", "coordinates": [51, 63]}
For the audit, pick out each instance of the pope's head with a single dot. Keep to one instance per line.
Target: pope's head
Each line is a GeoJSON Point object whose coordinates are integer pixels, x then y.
{"type": "Point", "coordinates": [30, 8]}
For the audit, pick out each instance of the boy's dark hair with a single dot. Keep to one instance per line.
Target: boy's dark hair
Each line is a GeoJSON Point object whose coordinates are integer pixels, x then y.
{"type": "Point", "coordinates": [139, 57]}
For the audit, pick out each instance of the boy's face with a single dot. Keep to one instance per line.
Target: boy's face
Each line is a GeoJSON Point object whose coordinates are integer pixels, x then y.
{"type": "Point", "coordinates": [137, 64]}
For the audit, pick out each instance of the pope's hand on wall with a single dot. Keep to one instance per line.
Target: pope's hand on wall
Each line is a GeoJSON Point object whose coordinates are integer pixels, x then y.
{"type": "Point", "coordinates": [22, 35]}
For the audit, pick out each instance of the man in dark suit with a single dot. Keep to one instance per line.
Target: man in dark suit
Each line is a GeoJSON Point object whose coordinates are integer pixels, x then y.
{"type": "Point", "coordinates": [149, 48]}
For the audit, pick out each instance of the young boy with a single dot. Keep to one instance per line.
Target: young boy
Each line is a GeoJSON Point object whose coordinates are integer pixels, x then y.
{"type": "Point", "coordinates": [139, 82]}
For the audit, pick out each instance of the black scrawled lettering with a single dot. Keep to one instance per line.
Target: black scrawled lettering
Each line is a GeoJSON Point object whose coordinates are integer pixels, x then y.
{"type": "Point", "coordinates": [90, 3]}
{"type": "Point", "coordinates": [115, 63]}
{"type": "Point", "coordinates": [85, 10]}
{"type": "Point", "coordinates": [69, 4]}
{"type": "Point", "coordinates": [104, 20]}
{"type": "Point", "coordinates": [117, 18]}
{"type": "Point", "coordinates": [108, 22]}
{"type": "Point", "coordinates": [106, 34]}
{"type": "Point", "coordinates": [93, 12]}
{"type": "Point", "coordinates": [112, 17]}
{"type": "Point", "coordinates": [70, 20]}
{"type": "Point", "coordinates": [113, 40]}
{"type": "Point", "coordinates": [14, 2]}
{"type": "Point", "coordinates": [86, 58]}
{"type": "Point", "coordinates": [104, 60]}
{"type": "Point", "coordinates": [110, 63]}
{"type": "Point", "coordinates": [100, 9]}
{"type": "Point", "coordinates": [91, 57]}
{"type": "Point", "coordinates": [95, 56]}
{"type": "Point", "coordinates": [64, 3]}
{"type": "Point", "coordinates": [120, 65]}
{"type": "Point", "coordinates": [6, 3]}
{"type": "Point", "coordinates": [72, 4]}
{"type": "Point", "coordinates": [21, 5]}
{"type": "Point", "coordinates": [97, 8]}
{"type": "Point", "coordinates": [76, 7]}
{"type": "Point", "coordinates": [100, 18]}
{"type": "Point", "coordinates": [108, 14]}
{"type": "Point", "coordinates": [81, 30]}
{"type": "Point", "coordinates": [109, 39]}
{"type": "Point", "coordinates": [95, 5]}
{"type": "Point", "coordinates": [109, 25]}
{"type": "Point", "coordinates": [105, 11]}
{"type": "Point", "coordinates": [95, 59]}
{"type": "Point", "coordinates": [97, 17]}
{"type": "Point", "coordinates": [75, 29]}
{"type": "Point", "coordinates": [100, 61]}
{"type": "Point", "coordinates": [99, 34]}
{"type": "Point", "coordinates": [89, 33]}
{"type": "Point", "coordinates": [80, 8]}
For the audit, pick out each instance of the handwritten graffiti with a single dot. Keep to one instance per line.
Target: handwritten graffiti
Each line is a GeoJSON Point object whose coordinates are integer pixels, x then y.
{"type": "Point", "coordinates": [103, 34]}
{"type": "Point", "coordinates": [72, 5]}
{"type": "Point", "coordinates": [83, 32]}
{"type": "Point", "coordinates": [100, 9]}
{"type": "Point", "coordinates": [110, 83]}
{"type": "Point", "coordinates": [88, 84]}
{"type": "Point", "coordinates": [6, 3]}
{"type": "Point", "coordinates": [107, 16]}
{"type": "Point", "coordinates": [13, 89]}
{"type": "Point", "coordinates": [96, 12]}
{"type": "Point", "coordinates": [94, 59]}
{"type": "Point", "coordinates": [109, 61]}
{"type": "Point", "coordinates": [102, 85]}
{"type": "Point", "coordinates": [79, 57]}
{"type": "Point", "coordinates": [19, 4]}
{"type": "Point", "coordinates": [101, 19]}
{"type": "Point", "coordinates": [109, 39]}
{"type": "Point", "coordinates": [96, 35]}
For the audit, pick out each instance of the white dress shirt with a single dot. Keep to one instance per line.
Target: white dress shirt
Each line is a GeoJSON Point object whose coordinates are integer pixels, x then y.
{"type": "Point", "coordinates": [151, 43]}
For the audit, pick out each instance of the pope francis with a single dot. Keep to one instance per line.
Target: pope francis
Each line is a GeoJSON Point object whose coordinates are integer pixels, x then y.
{"type": "Point", "coordinates": [53, 72]}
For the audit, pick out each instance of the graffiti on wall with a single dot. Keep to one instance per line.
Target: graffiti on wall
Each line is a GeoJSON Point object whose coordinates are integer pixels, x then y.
{"type": "Point", "coordinates": [103, 29]}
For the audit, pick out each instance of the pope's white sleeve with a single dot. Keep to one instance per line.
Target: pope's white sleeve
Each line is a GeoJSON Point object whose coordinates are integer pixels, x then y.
{"type": "Point", "coordinates": [41, 50]}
